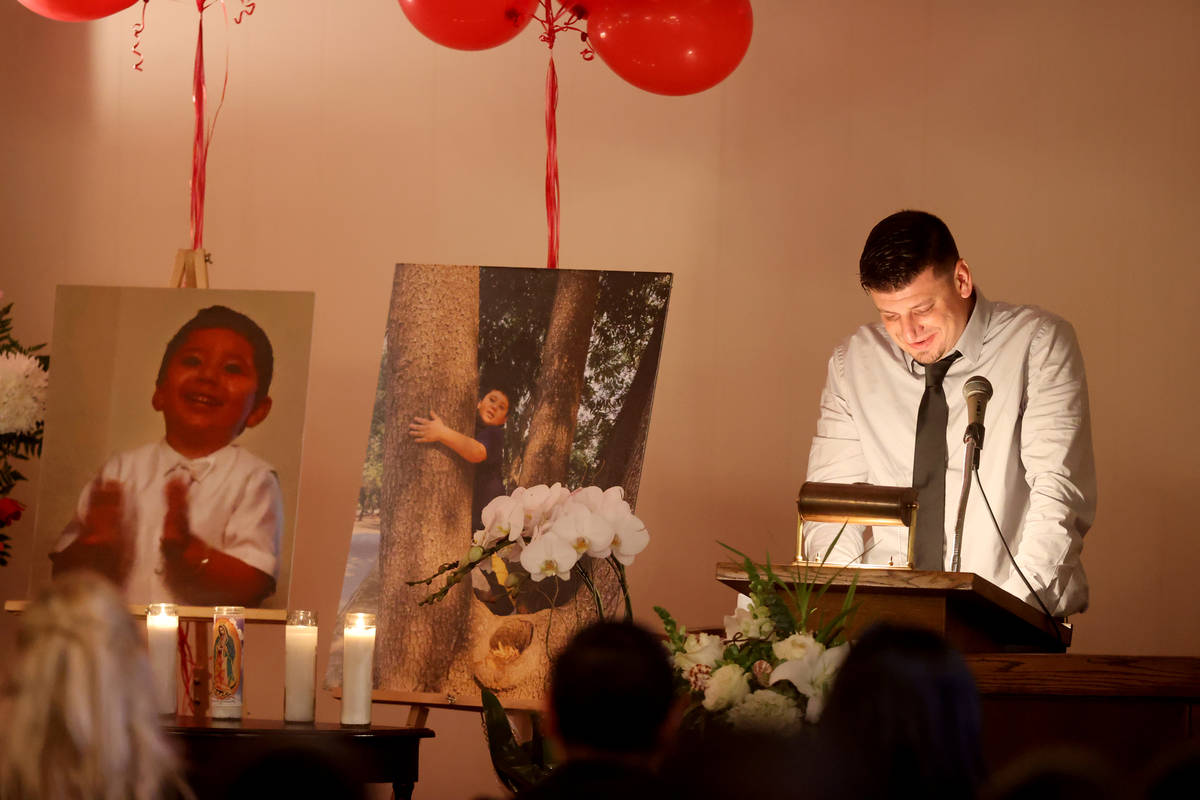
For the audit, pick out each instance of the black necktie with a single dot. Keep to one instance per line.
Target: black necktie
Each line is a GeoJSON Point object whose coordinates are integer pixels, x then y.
{"type": "Point", "coordinates": [929, 469]}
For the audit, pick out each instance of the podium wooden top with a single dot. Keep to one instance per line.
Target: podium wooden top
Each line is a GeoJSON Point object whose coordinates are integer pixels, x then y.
{"type": "Point", "coordinates": [960, 589]}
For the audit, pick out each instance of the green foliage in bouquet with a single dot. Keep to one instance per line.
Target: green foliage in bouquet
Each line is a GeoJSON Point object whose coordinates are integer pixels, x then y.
{"type": "Point", "coordinates": [773, 667]}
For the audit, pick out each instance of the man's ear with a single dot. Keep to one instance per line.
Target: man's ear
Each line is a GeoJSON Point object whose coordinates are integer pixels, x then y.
{"type": "Point", "coordinates": [156, 399]}
{"type": "Point", "coordinates": [259, 413]}
{"type": "Point", "coordinates": [963, 283]}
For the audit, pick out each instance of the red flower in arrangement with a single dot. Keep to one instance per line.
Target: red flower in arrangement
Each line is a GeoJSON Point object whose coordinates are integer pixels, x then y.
{"type": "Point", "coordinates": [10, 511]}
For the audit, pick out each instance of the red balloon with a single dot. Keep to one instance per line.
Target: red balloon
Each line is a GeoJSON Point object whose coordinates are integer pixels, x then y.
{"type": "Point", "coordinates": [670, 46]}
{"type": "Point", "coordinates": [469, 24]}
{"type": "Point", "coordinates": [76, 10]}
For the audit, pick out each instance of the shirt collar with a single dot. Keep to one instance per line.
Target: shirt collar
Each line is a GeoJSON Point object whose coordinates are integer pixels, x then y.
{"type": "Point", "coordinates": [970, 341]}
{"type": "Point", "coordinates": [172, 462]}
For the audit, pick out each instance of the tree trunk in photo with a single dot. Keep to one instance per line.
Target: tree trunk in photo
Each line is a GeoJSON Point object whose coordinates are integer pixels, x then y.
{"type": "Point", "coordinates": [621, 458]}
{"type": "Point", "coordinates": [560, 379]}
{"type": "Point", "coordinates": [545, 459]}
{"type": "Point", "coordinates": [425, 518]}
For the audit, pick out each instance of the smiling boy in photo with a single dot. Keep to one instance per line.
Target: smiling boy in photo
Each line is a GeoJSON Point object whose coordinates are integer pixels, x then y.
{"type": "Point", "coordinates": [192, 518]}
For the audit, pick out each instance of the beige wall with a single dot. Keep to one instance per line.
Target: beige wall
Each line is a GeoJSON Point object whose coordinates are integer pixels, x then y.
{"type": "Point", "coordinates": [1058, 140]}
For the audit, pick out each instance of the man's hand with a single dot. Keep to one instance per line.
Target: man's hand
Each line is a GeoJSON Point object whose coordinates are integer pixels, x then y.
{"type": "Point", "coordinates": [430, 429]}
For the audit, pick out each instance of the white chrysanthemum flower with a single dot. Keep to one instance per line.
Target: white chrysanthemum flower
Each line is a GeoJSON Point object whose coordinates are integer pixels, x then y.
{"type": "Point", "coordinates": [22, 393]}
{"type": "Point", "coordinates": [765, 710]}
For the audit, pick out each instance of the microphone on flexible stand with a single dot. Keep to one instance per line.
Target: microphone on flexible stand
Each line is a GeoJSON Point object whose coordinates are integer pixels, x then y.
{"type": "Point", "coordinates": [977, 391]}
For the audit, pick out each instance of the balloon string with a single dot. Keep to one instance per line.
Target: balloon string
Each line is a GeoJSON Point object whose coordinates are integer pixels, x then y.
{"type": "Point", "coordinates": [138, 29]}
{"type": "Point", "coordinates": [203, 136]}
{"type": "Point", "coordinates": [552, 209]}
{"type": "Point", "coordinates": [199, 148]}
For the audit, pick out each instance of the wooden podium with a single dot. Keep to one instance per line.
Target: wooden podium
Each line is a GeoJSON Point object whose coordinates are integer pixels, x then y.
{"type": "Point", "coordinates": [974, 615]}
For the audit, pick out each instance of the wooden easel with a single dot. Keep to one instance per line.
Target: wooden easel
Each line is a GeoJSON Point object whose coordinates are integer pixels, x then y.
{"type": "Point", "coordinates": [191, 269]}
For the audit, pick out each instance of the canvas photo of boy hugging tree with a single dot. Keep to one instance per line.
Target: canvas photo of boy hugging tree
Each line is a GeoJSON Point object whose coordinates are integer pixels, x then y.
{"type": "Point", "coordinates": [193, 517]}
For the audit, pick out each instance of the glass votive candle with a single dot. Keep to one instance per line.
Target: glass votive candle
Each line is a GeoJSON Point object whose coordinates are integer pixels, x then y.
{"type": "Point", "coordinates": [300, 667]}
{"type": "Point", "coordinates": [162, 640]}
{"type": "Point", "coordinates": [358, 654]}
{"type": "Point", "coordinates": [225, 682]}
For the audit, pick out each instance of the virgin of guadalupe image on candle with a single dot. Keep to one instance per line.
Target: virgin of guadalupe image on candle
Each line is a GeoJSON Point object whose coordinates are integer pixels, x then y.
{"type": "Point", "coordinates": [227, 659]}
{"type": "Point", "coordinates": [494, 379]}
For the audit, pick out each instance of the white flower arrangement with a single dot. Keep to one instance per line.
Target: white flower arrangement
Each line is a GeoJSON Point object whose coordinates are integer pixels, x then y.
{"type": "Point", "coordinates": [767, 672]}
{"type": "Point", "coordinates": [23, 385]}
{"type": "Point", "coordinates": [554, 529]}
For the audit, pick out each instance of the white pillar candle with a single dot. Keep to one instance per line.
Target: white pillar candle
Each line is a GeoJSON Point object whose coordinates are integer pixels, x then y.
{"type": "Point", "coordinates": [300, 667]}
{"type": "Point", "coordinates": [358, 653]}
{"type": "Point", "coordinates": [162, 638]}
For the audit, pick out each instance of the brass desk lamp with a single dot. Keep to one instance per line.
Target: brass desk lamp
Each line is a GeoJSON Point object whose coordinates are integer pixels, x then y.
{"type": "Point", "coordinates": [856, 504]}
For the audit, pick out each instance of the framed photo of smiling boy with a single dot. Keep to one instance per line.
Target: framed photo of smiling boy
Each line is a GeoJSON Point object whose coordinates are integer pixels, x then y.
{"type": "Point", "coordinates": [173, 438]}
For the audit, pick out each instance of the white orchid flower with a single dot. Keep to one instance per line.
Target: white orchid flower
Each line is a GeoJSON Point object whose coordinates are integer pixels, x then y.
{"type": "Point", "coordinates": [503, 518]}
{"type": "Point", "coordinates": [629, 539]}
{"type": "Point", "coordinates": [585, 532]}
{"type": "Point", "coordinates": [549, 557]}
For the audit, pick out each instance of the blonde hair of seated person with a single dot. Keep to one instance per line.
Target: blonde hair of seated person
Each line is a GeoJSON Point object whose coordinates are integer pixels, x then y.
{"type": "Point", "coordinates": [81, 720]}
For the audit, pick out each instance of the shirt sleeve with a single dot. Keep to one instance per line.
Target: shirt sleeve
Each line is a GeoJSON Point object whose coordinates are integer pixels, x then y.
{"type": "Point", "coordinates": [836, 457]}
{"type": "Point", "coordinates": [1056, 452]}
{"type": "Point", "coordinates": [256, 525]}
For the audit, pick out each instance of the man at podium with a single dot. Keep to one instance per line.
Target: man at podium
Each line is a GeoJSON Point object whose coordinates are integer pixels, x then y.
{"type": "Point", "coordinates": [893, 413]}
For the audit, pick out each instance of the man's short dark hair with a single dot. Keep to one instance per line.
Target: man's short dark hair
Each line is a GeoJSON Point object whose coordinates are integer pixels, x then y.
{"type": "Point", "coordinates": [223, 317]}
{"type": "Point", "coordinates": [901, 247]}
{"type": "Point", "coordinates": [612, 688]}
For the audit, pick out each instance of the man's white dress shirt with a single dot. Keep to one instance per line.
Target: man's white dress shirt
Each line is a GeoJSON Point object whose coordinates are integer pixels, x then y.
{"type": "Point", "coordinates": [1035, 466]}
{"type": "Point", "coordinates": [234, 505]}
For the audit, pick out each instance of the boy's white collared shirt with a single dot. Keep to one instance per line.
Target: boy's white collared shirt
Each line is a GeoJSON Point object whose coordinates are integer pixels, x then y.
{"type": "Point", "coordinates": [234, 505]}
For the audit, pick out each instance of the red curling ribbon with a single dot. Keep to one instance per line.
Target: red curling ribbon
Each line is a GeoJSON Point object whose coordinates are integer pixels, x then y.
{"type": "Point", "coordinates": [199, 139]}
{"type": "Point", "coordinates": [552, 210]}
{"type": "Point", "coordinates": [138, 29]}
{"type": "Point", "coordinates": [552, 25]}
{"type": "Point", "coordinates": [247, 10]}
{"type": "Point", "coordinates": [203, 134]}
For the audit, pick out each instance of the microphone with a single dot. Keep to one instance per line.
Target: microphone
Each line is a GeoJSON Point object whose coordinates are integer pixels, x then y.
{"type": "Point", "coordinates": [977, 391]}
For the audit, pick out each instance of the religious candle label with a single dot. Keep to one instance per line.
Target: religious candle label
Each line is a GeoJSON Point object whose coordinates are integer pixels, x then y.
{"type": "Point", "coordinates": [226, 681]}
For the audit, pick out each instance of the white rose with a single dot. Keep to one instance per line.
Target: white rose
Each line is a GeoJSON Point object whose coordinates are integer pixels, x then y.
{"type": "Point", "coordinates": [765, 710]}
{"type": "Point", "coordinates": [727, 686]}
{"type": "Point", "coordinates": [699, 648]}
{"type": "Point", "coordinates": [798, 645]}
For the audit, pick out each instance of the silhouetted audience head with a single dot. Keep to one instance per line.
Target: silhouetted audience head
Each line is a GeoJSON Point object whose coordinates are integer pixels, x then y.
{"type": "Point", "coordinates": [81, 721]}
{"type": "Point", "coordinates": [611, 691]}
{"type": "Point", "coordinates": [1174, 774]}
{"type": "Point", "coordinates": [722, 763]}
{"type": "Point", "coordinates": [1058, 773]}
{"type": "Point", "coordinates": [903, 715]}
